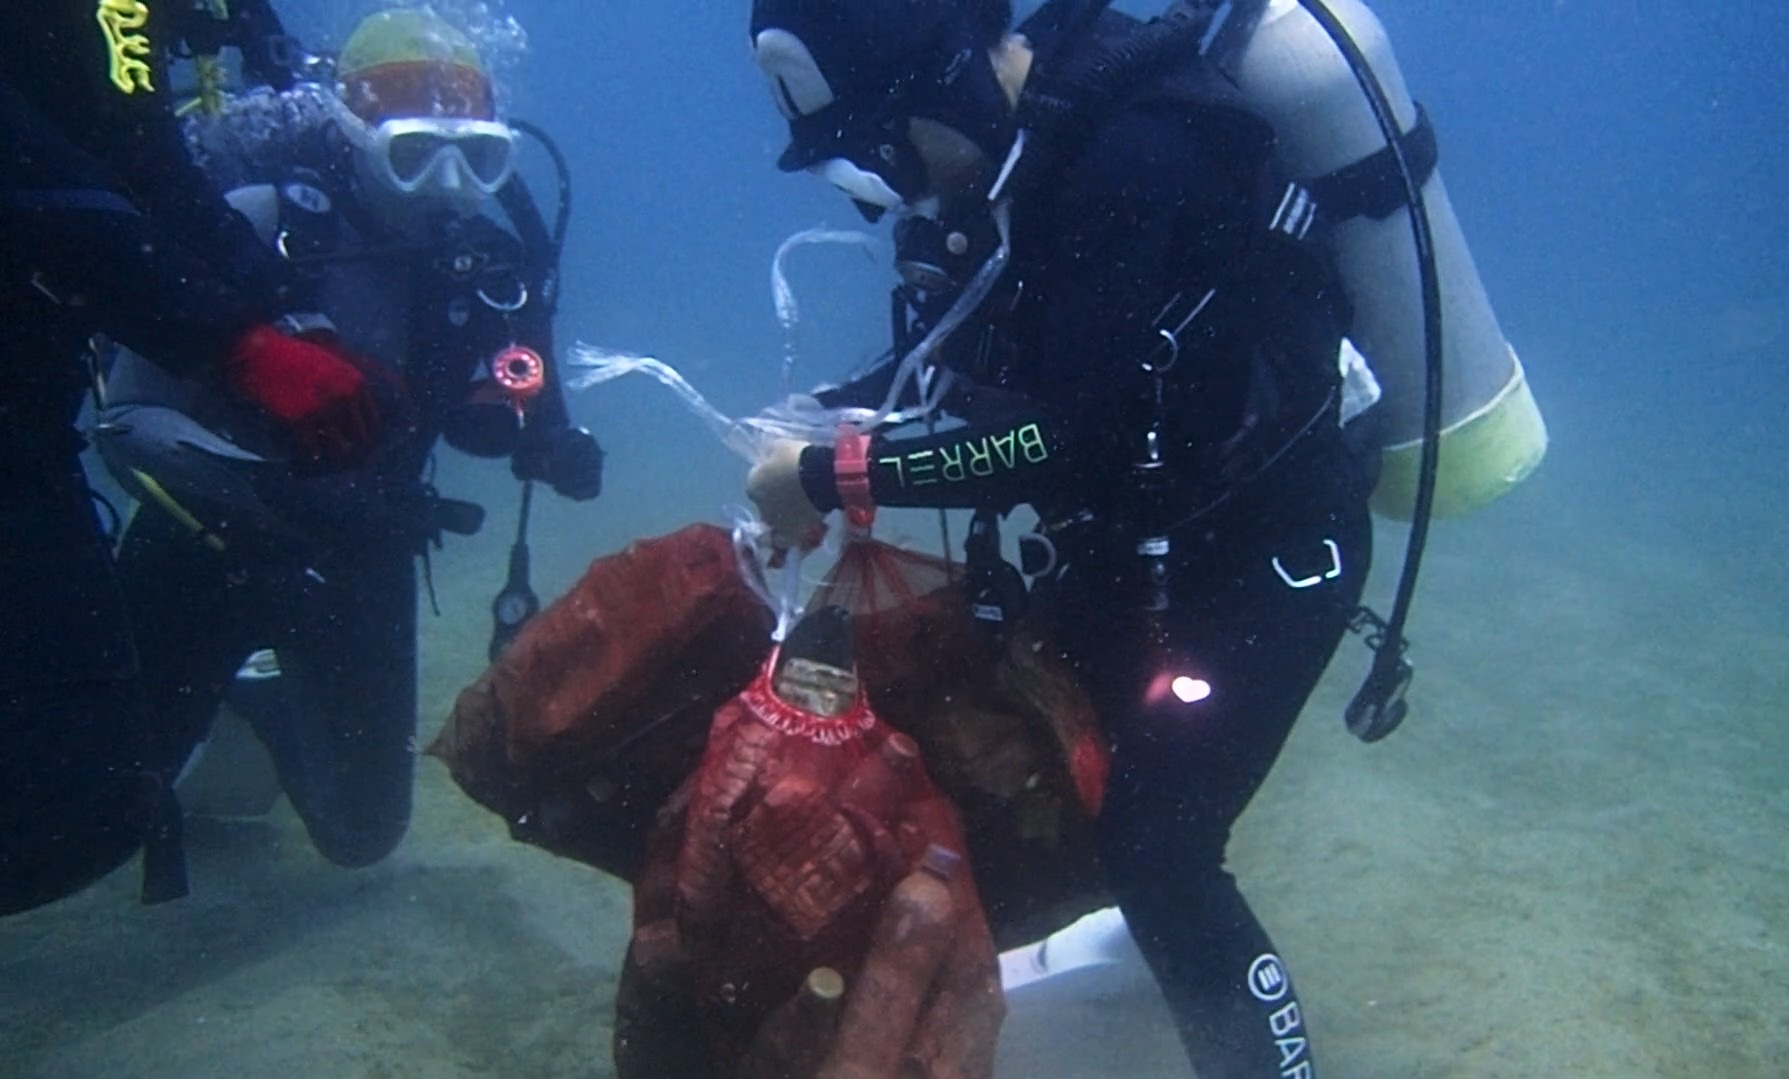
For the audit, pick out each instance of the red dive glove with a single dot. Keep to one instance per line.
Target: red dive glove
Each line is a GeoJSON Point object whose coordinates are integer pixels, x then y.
{"type": "Point", "coordinates": [312, 388]}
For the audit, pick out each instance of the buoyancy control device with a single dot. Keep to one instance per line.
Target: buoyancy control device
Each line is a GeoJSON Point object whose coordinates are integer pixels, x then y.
{"type": "Point", "coordinates": [1304, 68]}
{"type": "Point", "coordinates": [1458, 426]}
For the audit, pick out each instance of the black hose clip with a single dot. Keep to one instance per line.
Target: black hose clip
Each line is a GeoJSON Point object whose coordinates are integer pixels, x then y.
{"type": "Point", "coordinates": [1151, 486]}
{"type": "Point", "coordinates": [996, 589]}
{"type": "Point", "coordinates": [1380, 705]}
{"type": "Point", "coordinates": [454, 516]}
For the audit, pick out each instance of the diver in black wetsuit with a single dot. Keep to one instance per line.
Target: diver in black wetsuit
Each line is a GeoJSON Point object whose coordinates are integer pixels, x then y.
{"type": "Point", "coordinates": [375, 193]}
{"type": "Point", "coordinates": [1155, 371]}
{"type": "Point", "coordinates": [109, 229]}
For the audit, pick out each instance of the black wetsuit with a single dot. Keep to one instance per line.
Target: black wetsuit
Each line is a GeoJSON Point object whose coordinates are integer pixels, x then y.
{"type": "Point", "coordinates": [1267, 502]}
{"type": "Point", "coordinates": [107, 228]}
{"type": "Point", "coordinates": [322, 568]}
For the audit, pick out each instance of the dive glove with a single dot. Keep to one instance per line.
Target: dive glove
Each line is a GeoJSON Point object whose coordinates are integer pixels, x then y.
{"type": "Point", "coordinates": [566, 458]}
{"type": "Point", "coordinates": [774, 486]}
{"type": "Point", "coordinates": [312, 387]}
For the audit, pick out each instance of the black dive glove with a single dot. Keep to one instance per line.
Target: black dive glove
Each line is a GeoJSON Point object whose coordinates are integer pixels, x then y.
{"type": "Point", "coordinates": [567, 459]}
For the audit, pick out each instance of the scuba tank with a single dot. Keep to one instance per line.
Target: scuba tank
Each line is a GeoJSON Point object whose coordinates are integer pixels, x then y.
{"type": "Point", "coordinates": [1492, 435]}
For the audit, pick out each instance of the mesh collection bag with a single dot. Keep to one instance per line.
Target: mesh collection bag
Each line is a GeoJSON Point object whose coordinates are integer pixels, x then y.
{"type": "Point", "coordinates": [580, 732]}
{"type": "Point", "coordinates": [810, 842]}
{"type": "Point", "coordinates": [598, 710]}
{"type": "Point", "coordinates": [813, 890]}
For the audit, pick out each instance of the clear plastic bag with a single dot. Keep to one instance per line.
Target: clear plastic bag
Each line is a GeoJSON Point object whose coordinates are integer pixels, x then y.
{"type": "Point", "coordinates": [776, 575]}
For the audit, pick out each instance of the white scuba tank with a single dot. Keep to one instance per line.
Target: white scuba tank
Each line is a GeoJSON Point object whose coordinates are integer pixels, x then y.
{"type": "Point", "coordinates": [1492, 435]}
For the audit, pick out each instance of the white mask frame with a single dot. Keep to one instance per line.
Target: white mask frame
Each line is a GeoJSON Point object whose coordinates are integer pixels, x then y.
{"type": "Point", "coordinates": [438, 155]}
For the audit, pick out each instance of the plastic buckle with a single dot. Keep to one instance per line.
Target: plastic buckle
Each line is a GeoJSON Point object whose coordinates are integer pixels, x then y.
{"type": "Point", "coordinates": [1380, 705]}
{"type": "Point", "coordinates": [851, 476]}
{"type": "Point", "coordinates": [1298, 583]}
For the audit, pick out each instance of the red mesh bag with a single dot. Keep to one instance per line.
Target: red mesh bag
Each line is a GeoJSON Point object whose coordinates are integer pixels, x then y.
{"type": "Point", "coordinates": [812, 841]}
{"type": "Point", "coordinates": [1004, 727]}
{"type": "Point", "coordinates": [581, 731]}
{"type": "Point", "coordinates": [598, 709]}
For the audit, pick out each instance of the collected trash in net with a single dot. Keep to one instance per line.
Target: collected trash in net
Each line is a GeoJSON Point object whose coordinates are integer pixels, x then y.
{"type": "Point", "coordinates": [585, 734]}
{"type": "Point", "coordinates": [578, 734]}
{"type": "Point", "coordinates": [809, 839]}
{"type": "Point", "coordinates": [598, 710]}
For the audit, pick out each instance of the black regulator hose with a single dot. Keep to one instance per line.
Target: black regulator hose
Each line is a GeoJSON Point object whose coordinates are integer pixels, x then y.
{"type": "Point", "coordinates": [563, 217]}
{"type": "Point", "coordinates": [1379, 706]}
{"type": "Point", "coordinates": [544, 246]}
{"type": "Point", "coordinates": [516, 603]}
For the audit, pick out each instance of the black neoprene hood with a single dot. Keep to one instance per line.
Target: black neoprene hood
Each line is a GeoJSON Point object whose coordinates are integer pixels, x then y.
{"type": "Point", "coordinates": [875, 64]}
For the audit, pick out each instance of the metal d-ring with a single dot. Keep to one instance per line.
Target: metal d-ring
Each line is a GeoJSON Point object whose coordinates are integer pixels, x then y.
{"type": "Point", "coordinates": [517, 304]}
{"type": "Point", "coordinates": [1173, 352]}
{"type": "Point", "coordinates": [1047, 547]}
{"type": "Point", "coordinates": [1172, 337]}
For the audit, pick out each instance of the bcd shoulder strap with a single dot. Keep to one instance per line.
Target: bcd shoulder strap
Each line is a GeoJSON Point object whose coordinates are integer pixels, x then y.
{"type": "Point", "coordinates": [1092, 60]}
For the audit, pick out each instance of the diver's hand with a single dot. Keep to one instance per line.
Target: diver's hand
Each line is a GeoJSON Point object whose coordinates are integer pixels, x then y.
{"type": "Point", "coordinates": [774, 486]}
{"type": "Point", "coordinates": [312, 388]}
{"type": "Point", "coordinates": [566, 458]}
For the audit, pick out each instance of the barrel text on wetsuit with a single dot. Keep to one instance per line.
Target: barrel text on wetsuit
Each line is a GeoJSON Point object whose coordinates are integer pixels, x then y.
{"type": "Point", "coordinates": [974, 458]}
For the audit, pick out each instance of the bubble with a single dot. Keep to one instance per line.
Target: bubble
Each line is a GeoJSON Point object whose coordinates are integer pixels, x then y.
{"type": "Point", "coordinates": [499, 37]}
{"type": "Point", "coordinates": [255, 131]}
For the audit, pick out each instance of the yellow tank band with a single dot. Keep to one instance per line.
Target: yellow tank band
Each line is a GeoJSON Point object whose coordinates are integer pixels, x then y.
{"type": "Point", "coordinates": [160, 496]}
{"type": "Point", "coordinates": [1483, 456]}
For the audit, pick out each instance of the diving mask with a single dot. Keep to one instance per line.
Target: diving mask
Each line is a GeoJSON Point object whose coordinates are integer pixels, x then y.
{"type": "Point", "coordinates": [437, 155]}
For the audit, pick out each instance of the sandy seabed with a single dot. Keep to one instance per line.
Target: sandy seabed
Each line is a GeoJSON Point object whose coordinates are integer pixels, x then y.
{"type": "Point", "coordinates": [1574, 860]}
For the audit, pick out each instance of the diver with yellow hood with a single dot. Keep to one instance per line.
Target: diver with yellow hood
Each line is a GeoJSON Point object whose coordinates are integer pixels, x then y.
{"type": "Point", "coordinates": [382, 195]}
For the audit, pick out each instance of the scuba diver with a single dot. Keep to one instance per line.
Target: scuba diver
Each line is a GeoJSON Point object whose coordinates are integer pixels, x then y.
{"type": "Point", "coordinates": [111, 230]}
{"type": "Point", "coordinates": [1120, 274]}
{"type": "Point", "coordinates": [372, 193]}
